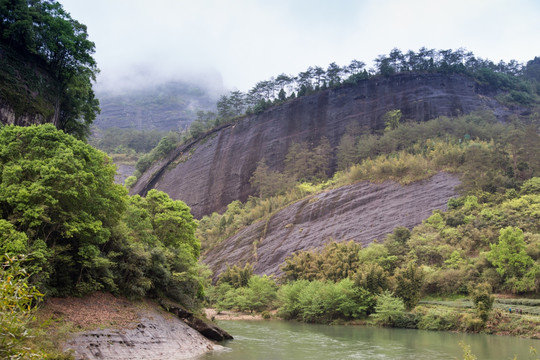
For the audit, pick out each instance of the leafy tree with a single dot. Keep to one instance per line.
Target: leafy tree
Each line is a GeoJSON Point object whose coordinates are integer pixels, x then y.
{"type": "Point", "coordinates": [60, 191]}
{"type": "Point", "coordinates": [154, 250]}
{"type": "Point", "coordinates": [391, 119]}
{"type": "Point", "coordinates": [409, 284]}
{"type": "Point", "coordinates": [531, 186]}
{"type": "Point", "coordinates": [303, 164]}
{"type": "Point", "coordinates": [268, 182]}
{"type": "Point", "coordinates": [387, 309]}
{"type": "Point", "coordinates": [18, 302]}
{"type": "Point", "coordinates": [262, 292]}
{"type": "Point", "coordinates": [333, 73]}
{"type": "Point", "coordinates": [288, 297]}
{"type": "Point", "coordinates": [282, 96]}
{"type": "Point", "coordinates": [236, 276]}
{"type": "Point", "coordinates": [355, 67]}
{"type": "Point", "coordinates": [508, 255]}
{"type": "Point", "coordinates": [482, 300]}
{"type": "Point", "coordinates": [347, 153]}
{"type": "Point", "coordinates": [372, 277]}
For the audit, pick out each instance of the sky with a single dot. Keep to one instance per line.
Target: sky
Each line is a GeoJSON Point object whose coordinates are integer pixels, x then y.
{"type": "Point", "coordinates": [233, 44]}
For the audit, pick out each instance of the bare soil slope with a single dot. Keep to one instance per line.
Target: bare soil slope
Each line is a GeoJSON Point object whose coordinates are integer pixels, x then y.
{"type": "Point", "coordinates": [361, 212]}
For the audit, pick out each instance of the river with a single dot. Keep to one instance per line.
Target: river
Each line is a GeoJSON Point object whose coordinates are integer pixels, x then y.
{"type": "Point", "coordinates": [269, 340]}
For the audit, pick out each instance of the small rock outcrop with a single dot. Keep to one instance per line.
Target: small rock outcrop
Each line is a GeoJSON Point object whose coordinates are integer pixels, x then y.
{"type": "Point", "coordinates": [155, 337]}
{"type": "Point", "coordinates": [215, 170]}
{"type": "Point", "coordinates": [361, 212]}
{"type": "Point", "coordinates": [208, 330]}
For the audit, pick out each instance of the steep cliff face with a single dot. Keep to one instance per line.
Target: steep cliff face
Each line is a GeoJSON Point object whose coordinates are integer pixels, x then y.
{"type": "Point", "coordinates": [26, 89]}
{"type": "Point", "coordinates": [210, 173]}
{"type": "Point", "coordinates": [361, 212]}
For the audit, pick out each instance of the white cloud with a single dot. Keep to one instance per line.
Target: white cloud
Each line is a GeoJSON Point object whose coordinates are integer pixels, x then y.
{"type": "Point", "coordinates": [250, 40]}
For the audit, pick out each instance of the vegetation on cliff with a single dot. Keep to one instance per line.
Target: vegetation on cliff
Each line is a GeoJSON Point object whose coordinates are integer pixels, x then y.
{"type": "Point", "coordinates": [43, 33]}
{"type": "Point", "coordinates": [483, 243]}
{"type": "Point", "coordinates": [490, 156]}
{"type": "Point", "coordinates": [518, 83]}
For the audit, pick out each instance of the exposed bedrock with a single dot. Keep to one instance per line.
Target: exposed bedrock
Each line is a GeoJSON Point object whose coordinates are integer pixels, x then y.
{"type": "Point", "coordinates": [214, 170]}
{"type": "Point", "coordinates": [361, 212]}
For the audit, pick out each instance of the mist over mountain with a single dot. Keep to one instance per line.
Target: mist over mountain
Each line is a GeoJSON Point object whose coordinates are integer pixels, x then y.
{"type": "Point", "coordinates": [166, 106]}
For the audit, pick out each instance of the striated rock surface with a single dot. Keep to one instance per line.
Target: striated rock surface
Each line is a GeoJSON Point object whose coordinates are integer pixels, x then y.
{"type": "Point", "coordinates": [205, 328]}
{"type": "Point", "coordinates": [361, 212]}
{"type": "Point", "coordinates": [214, 170]}
{"type": "Point", "coordinates": [155, 337]}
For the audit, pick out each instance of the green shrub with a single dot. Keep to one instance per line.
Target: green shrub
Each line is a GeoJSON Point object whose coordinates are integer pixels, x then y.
{"type": "Point", "coordinates": [387, 309]}
{"type": "Point", "coordinates": [288, 296]}
{"type": "Point", "coordinates": [482, 299]}
{"type": "Point", "coordinates": [438, 319]}
{"type": "Point", "coordinates": [17, 304]}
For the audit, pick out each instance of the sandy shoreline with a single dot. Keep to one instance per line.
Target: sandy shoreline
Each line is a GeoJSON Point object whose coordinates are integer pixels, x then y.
{"type": "Point", "coordinates": [212, 314]}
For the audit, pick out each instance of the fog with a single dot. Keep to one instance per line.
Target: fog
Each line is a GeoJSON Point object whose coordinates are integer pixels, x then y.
{"type": "Point", "coordinates": [232, 44]}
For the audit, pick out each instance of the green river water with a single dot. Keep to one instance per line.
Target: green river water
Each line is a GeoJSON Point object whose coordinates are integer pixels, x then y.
{"type": "Point", "coordinates": [269, 340]}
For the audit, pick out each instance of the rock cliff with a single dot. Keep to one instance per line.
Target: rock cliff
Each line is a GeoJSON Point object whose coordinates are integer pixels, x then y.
{"type": "Point", "coordinates": [214, 170]}
{"type": "Point", "coordinates": [361, 212]}
{"type": "Point", "coordinates": [26, 89]}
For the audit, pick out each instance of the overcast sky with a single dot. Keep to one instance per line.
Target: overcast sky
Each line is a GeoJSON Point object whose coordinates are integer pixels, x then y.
{"type": "Point", "coordinates": [239, 42]}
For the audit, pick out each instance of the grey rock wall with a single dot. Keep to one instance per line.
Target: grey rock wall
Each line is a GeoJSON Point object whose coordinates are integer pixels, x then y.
{"type": "Point", "coordinates": [210, 173]}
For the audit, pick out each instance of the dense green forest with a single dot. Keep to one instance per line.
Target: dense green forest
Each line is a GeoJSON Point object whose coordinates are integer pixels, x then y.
{"type": "Point", "coordinates": [68, 230]}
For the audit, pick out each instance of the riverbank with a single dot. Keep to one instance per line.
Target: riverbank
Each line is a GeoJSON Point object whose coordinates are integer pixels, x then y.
{"type": "Point", "coordinates": [213, 314]}
{"type": "Point", "coordinates": [101, 326]}
{"type": "Point", "coordinates": [428, 317]}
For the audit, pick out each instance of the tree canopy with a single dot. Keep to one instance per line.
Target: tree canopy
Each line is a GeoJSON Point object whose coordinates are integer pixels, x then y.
{"type": "Point", "coordinates": [82, 232]}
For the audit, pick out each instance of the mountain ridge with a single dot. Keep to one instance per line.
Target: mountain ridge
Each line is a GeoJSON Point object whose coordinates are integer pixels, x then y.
{"type": "Point", "coordinates": [215, 169]}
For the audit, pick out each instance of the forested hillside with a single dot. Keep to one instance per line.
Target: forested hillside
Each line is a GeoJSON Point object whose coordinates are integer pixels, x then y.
{"type": "Point", "coordinates": [339, 193]}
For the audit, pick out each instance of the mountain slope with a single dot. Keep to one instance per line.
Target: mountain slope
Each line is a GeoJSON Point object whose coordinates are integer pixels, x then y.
{"type": "Point", "coordinates": [214, 170]}
{"type": "Point", "coordinates": [361, 212]}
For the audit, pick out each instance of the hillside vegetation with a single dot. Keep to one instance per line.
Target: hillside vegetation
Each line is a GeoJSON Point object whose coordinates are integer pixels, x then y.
{"type": "Point", "coordinates": [487, 241]}
{"type": "Point", "coordinates": [518, 83]}
{"type": "Point", "coordinates": [491, 157]}
{"type": "Point", "coordinates": [315, 123]}
{"type": "Point", "coordinates": [73, 231]}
